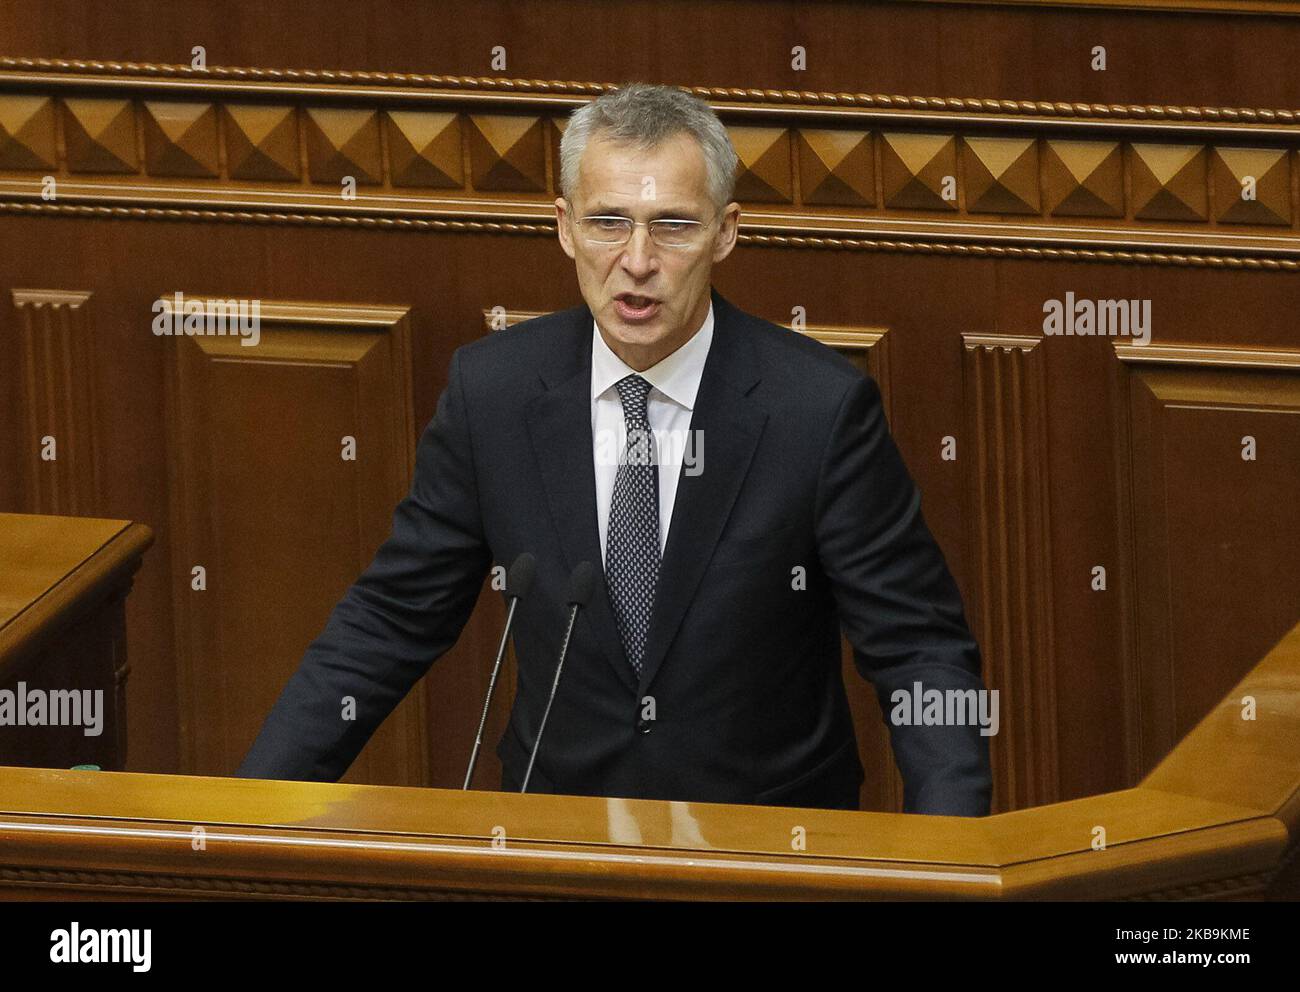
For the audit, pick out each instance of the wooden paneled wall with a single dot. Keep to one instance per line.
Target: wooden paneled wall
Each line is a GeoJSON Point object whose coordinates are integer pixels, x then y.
{"type": "Point", "coordinates": [916, 194]}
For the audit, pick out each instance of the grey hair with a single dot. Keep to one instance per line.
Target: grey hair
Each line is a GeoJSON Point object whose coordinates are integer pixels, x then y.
{"type": "Point", "coordinates": [645, 115]}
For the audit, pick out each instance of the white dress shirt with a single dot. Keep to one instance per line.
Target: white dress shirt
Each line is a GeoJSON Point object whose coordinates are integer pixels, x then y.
{"type": "Point", "coordinates": [674, 383]}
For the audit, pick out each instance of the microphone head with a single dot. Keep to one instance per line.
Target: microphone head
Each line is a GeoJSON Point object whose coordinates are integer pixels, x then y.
{"type": "Point", "coordinates": [520, 577]}
{"type": "Point", "coordinates": [581, 584]}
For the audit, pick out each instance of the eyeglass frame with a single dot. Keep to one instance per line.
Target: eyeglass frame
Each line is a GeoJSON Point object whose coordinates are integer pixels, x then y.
{"type": "Point", "coordinates": [647, 224]}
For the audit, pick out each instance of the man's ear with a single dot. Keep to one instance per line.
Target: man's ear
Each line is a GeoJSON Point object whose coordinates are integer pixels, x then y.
{"type": "Point", "coordinates": [727, 232]}
{"type": "Point", "coordinates": [562, 225]}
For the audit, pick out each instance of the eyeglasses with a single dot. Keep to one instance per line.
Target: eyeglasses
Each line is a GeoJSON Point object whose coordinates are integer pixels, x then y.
{"type": "Point", "coordinates": [666, 233]}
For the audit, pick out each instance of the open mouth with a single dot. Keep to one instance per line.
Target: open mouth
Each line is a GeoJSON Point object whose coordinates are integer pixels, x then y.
{"type": "Point", "coordinates": [633, 307]}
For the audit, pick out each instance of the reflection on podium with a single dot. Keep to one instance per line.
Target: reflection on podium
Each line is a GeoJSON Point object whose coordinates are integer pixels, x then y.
{"type": "Point", "coordinates": [1216, 819]}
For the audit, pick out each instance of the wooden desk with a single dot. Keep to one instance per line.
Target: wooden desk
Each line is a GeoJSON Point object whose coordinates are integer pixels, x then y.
{"type": "Point", "coordinates": [1216, 819]}
{"type": "Point", "coordinates": [63, 585]}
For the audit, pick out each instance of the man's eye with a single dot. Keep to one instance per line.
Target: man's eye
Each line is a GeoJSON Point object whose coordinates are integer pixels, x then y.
{"type": "Point", "coordinates": [609, 223]}
{"type": "Point", "coordinates": [673, 226]}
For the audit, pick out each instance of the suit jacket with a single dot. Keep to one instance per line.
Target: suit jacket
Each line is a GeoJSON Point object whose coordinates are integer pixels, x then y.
{"type": "Point", "coordinates": [741, 675]}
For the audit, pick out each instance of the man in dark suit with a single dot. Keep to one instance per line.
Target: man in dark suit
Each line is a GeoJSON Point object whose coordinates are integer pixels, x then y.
{"type": "Point", "coordinates": [755, 505]}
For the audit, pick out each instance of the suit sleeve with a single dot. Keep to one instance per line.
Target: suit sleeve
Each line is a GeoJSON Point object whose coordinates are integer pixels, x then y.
{"type": "Point", "coordinates": [898, 604]}
{"type": "Point", "coordinates": [406, 609]}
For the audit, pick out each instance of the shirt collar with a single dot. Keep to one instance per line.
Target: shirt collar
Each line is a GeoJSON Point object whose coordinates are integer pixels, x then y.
{"type": "Point", "coordinates": [677, 376]}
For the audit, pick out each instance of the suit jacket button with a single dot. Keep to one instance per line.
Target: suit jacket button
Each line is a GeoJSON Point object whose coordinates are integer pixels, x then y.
{"type": "Point", "coordinates": [643, 726]}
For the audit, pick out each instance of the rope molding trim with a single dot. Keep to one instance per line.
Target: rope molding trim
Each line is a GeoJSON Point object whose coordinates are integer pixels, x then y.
{"type": "Point", "coordinates": [137, 881]}
{"type": "Point", "coordinates": [194, 884]}
{"type": "Point", "coordinates": [1219, 888]}
{"type": "Point", "coordinates": [912, 246]}
{"type": "Point", "coordinates": [740, 95]}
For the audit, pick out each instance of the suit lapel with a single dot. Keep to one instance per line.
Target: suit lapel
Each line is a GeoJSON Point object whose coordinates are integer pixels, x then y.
{"type": "Point", "coordinates": [559, 424]}
{"type": "Point", "coordinates": [730, 425]}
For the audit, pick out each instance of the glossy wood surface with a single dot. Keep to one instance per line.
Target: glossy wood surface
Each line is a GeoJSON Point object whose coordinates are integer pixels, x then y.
{"type": "Point", "coordinates": [63, 584]}
{"type": "Point", "coordinates": [37, 553]}
{"type": "Point", "coordinates": [1216, 819]}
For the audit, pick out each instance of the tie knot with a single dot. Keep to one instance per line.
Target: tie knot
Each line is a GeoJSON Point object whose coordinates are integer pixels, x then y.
{"type": "Point", "coordinates": [632, 391]}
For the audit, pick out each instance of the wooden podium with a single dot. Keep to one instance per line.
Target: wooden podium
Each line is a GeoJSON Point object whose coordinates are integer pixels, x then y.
{"type": "Point", "coordinates": [1217, 819]}
{"type": "Point", "coordinates": [63, 587]}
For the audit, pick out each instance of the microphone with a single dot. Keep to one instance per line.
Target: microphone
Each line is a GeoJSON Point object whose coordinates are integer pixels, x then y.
{"type": "Point", "coordinates": [581, 584]}
{"type": "Point", "coordinates": [518, 581]}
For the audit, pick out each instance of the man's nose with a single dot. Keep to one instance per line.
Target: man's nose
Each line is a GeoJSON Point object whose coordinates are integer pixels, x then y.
{"type": "Point", "coordinates": [638, 256]}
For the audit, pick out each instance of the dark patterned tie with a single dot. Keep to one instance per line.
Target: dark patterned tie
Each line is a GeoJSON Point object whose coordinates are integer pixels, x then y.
{"type": "Point", "coordinates": [632, 548]}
